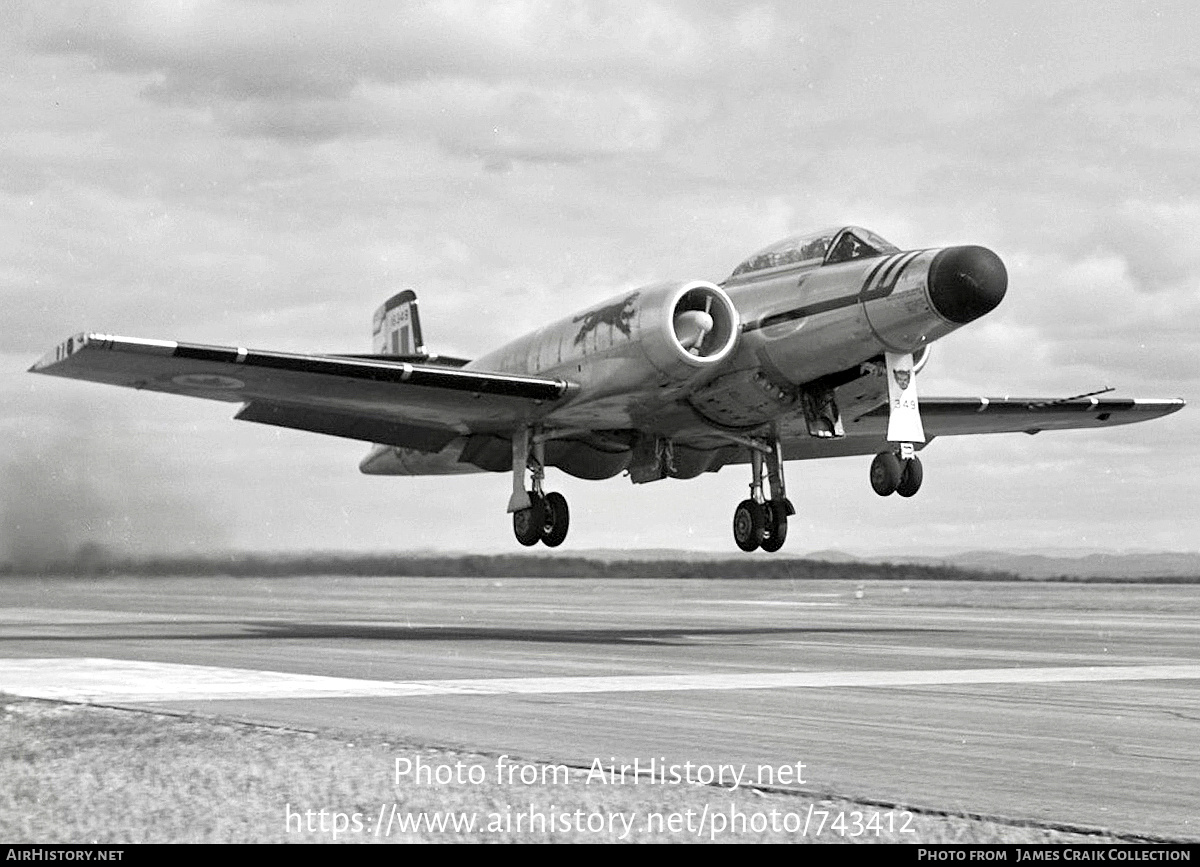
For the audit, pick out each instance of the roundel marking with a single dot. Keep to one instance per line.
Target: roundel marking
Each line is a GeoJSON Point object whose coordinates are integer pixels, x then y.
{"type": "Point", "coordinates": [208, 380]}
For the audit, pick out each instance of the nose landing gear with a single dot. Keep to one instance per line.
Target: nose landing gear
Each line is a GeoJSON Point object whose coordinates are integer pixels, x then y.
{"type": "Point", "coordinates": [899, 471]}
{"type": "Point", "coordinates": [910, 478]}
{"type": "Point", "coordinates": [892, 473]}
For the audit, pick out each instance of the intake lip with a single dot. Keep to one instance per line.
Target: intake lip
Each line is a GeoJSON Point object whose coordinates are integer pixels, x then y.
{"type": "Point", "coordinates": [966, 282]}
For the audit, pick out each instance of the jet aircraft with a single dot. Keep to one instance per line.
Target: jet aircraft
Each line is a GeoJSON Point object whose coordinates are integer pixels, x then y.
{"type": "Point", "coordinates": [811, 348]}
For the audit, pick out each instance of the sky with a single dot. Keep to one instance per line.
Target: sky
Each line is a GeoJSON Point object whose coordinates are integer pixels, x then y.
{"type": "Point", "coordinates": [265, 173]}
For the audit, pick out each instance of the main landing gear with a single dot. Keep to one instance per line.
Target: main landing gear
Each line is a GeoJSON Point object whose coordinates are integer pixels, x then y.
{"type": "Point", "coordinates": [546, 520]}
{"type": "Point", "coordinates": [893, 473]}
{"type": "Point", "coordinates": [760, 522]}
{"type": "Point", "coordinates": [537, 516]}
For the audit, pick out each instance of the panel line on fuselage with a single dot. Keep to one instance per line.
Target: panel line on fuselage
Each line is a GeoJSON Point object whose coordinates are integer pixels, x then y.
{"type": "Point", "coordinates": [892, 267]}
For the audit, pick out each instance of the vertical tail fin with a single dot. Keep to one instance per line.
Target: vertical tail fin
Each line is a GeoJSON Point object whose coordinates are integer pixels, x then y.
{"type": "Point", "coordinates": [396, 328]}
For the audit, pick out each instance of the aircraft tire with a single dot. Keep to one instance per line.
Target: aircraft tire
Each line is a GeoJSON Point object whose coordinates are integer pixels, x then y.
{"type": "Point", "coordinates": [910, 478]}
{"type": "Point", "coordinates": [528, 523]}
{"type": "Point", "coordinates": [776, 527]}
{"type": "Point", "coordinates": [556, 519]}
{"type": "Point", "coordinates": [749, 525]}
{"type": "Point", "coordinates": [885, 473]}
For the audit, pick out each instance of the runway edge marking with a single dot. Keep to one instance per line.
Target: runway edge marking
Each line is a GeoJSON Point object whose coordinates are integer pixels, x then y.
{"type": "Point", "coordinates": [107, 680]}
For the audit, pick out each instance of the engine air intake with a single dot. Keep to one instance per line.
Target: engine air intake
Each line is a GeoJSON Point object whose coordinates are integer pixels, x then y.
{"type": "Point", "coordinates": [704, 322]}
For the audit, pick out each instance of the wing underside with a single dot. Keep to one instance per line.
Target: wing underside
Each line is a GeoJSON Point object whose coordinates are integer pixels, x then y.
{"type": "Point", "coordinates": [602, 454]}
{"type": "Point", "coordinates": [420, 406]}
{"type": "Point", "coordinates": [954, 416]}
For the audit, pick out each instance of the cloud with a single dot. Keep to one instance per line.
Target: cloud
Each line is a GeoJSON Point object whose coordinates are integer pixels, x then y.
{"type": "Point", "coordinates": [318, 47]}
{"type": "Point", "coordinates": [266, 173]}
{"type": "Point", "coordinates": [1159, 241]}
{"type": "Point", "coordinates": [318, 70]}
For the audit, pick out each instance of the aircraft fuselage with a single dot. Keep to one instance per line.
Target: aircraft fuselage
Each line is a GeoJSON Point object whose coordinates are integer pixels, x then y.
{"type": "Point", "coordinates": [779, 336]}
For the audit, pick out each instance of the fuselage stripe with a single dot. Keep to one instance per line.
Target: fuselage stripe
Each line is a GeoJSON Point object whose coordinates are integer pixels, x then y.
{"type": "Point", "coordinates": [885, 266]}
{"type": "Point", "coordinates": [892, 267]}
{"type": "Point", "coordinates": [889, 279]}
{"type": "Point", "coordinates": [803, 312]}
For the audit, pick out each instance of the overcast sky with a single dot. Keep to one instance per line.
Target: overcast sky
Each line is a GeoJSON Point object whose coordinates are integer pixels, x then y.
{"type": "Point", "coordinates": [265, 173]}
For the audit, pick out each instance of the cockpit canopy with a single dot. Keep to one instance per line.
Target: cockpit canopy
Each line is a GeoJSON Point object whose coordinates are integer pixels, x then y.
{"type": "Point", "coordinates": [841, 244]}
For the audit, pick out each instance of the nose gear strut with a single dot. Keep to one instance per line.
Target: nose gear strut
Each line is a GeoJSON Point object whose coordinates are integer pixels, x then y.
{"type": "Point", "coordinates": [900, 471]}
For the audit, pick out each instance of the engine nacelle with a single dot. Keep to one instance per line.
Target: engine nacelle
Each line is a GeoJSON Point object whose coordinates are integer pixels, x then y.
{"type": "Point", "coordinates": [662, 335]}
{"type": "Point", "coordinates": [686, 328]}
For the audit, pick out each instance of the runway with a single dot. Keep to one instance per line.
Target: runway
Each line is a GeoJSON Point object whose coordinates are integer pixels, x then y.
{"type": "Point", "coordinates": [1067, 703]}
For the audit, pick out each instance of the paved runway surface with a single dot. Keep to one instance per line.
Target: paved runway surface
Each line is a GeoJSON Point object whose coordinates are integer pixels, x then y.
{"type": "Point", "coordinates": [1060, 703]}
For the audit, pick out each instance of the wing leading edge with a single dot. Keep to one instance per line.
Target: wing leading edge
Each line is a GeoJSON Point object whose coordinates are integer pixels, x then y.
{"type": "Point", "coordinates": [395, 402]}
{"type": "Point", "coordinates": [955, 416]}
{"type": "Point", "coordinates": [960, 416]}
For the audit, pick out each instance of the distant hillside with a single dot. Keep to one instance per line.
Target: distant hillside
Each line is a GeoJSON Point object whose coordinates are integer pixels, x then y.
{"type": "Point", "coordinates": [973, 566]}
{"type": "Point", "coordinates": [1181, 565]}
{"type": "Point", "coordinates": [95, 564]}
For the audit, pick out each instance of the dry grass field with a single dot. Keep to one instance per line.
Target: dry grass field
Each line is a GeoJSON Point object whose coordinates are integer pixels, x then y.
{"type": "Point", "coordinates": [78, 773]}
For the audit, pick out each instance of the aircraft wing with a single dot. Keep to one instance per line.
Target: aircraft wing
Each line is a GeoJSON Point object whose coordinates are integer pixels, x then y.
{"type": "Point", "coordinates": [958, 416]}
{"type": "Point", "coordinates": [953, 416]}
{"type": "Point", "coordinates": [420, 406]}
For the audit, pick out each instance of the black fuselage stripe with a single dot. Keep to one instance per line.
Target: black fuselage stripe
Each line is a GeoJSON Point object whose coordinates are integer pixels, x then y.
{"type": "Point", "coordinates": [883, 278]}
{"type": "Point", "coordinates": [889, 280]}
{"type": "Point", "coordinates": [806, 311]}
{"type": "Point", "coordinates": [887, 285]}
{"type": "Point", "coordinates": [874, 271]}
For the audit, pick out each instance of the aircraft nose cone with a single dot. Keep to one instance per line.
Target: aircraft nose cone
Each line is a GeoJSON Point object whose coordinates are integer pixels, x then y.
{"type": "Point", "coordinates": [966, 282]}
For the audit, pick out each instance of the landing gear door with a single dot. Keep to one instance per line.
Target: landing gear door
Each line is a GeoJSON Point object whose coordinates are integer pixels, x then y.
{"type": "Point", "coordinates": [904, 413]}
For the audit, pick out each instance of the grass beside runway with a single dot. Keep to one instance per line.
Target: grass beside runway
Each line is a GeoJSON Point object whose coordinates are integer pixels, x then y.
{"type": "Point", "coordinates": [80, 773]}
